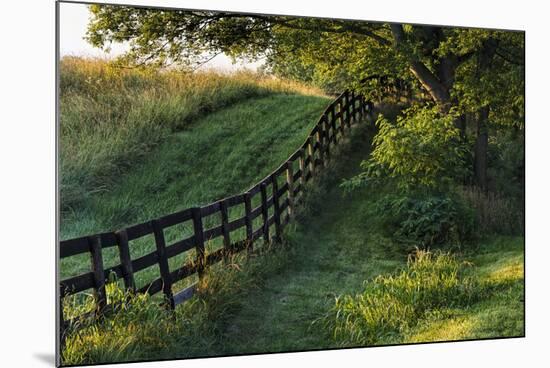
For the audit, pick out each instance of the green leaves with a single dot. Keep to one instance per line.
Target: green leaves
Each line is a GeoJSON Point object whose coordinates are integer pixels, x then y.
{"type": "Point", "coordinates": [422, 150]}
{"type": "Point", "coordinates": [425, 220]}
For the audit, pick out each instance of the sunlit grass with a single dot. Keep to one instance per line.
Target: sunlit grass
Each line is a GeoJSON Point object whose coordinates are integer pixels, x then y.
{"type": "Point", "coordinates": [391, 304]}
{"type": "Point", "coordinates": [111, 117]}
{"type": "Point", "coordinates": [143, 329]}
{"type": "Point", "coordinates": [479, 297]}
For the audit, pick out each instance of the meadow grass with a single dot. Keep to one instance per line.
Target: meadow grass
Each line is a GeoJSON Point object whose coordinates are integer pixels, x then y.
{"type": "Point", "coordinates": [391, 304]}
{"type": "Point", "coordinates": [288, 297]}
{"type": "Point", "coordinates": [111, 117]}
{"type": "Point", "coordinates": [138, 144]}
{"type": "Point", "coordinates": [143, 329]}
{"type": "Point", "coordinates": [220, 155]}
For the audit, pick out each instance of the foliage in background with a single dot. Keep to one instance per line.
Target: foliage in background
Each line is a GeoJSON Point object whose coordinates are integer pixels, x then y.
{"type": "Point", "coordinates": [422, 150]}
{"type": "Point", "coordinates": [425, 219]}
{"type": "Point", "coordinates": [501, 86]}
{"type": "Point", "coordinates": [313, 58]}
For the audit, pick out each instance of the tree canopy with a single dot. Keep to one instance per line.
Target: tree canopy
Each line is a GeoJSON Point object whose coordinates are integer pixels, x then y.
{"type": "Point", "coordinates": [477, 72]}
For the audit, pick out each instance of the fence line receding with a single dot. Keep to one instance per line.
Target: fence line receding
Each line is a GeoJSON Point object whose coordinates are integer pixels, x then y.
{"type": "Point", "coordinates": [294, 173]}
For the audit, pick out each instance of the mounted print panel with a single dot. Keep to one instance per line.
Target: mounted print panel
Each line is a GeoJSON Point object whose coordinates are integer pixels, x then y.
{"type": "Point", "coordinates": [236, 183]}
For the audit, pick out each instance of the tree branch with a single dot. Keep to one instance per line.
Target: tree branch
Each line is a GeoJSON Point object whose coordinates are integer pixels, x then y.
{"type": "Point", "coordinates": [428, 80]}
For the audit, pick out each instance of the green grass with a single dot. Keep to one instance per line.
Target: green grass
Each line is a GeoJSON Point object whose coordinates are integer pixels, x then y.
{"type": "Point", "coordinates": [498, 265]}
{"type": "Point", "coordinates": [391, 304]}
{"type": "Point", "coordinates": [142, 329]}
{"type": "Point", "coordinates": [283, 299]}
{"type": "Point", "coordinates": [220, 155]}
{"type": "Point", "coordinates": [111, 117]}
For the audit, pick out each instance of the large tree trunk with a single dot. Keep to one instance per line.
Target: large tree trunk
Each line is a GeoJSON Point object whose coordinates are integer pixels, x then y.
{"type": "Point", "coordinates": [438, 86]}
{"type": "Point", "coordinates": [480, 149]}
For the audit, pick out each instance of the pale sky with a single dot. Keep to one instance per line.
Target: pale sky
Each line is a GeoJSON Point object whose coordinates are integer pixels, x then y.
{"type": "Point", "coordinates": [73, 21]}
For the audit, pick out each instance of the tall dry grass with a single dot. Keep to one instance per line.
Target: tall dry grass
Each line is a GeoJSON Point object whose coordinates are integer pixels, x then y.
{"type": "Point", "coordinates": [494, 214]}
{"type": "Point", "coordinates": [111, 116]}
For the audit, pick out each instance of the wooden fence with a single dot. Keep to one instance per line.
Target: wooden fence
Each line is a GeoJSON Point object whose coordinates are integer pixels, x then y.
{"type": "Point", "coordinates": [295, 172]}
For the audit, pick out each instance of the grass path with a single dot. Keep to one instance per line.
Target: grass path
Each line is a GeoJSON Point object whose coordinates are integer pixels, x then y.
{"type": "Point", "coordinates": [330, 253]}
{"type": "Point", "coordinates": [333, 250]}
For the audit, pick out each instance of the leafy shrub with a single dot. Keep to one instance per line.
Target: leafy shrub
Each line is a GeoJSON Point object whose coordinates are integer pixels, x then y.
{"type": "Point", "coordinates": [389, 305]}
{"type": "Point", "coordinates": [422, 149]}
{"type": "Point", "coordinates": [424, 219]}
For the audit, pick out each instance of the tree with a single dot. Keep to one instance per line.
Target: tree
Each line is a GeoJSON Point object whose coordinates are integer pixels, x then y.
{"type": "Point", "coordinates": [456, 67]}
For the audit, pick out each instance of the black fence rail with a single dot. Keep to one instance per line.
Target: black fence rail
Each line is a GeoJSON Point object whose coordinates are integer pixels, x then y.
{"type": "Point", "coordinates": [279, 192]}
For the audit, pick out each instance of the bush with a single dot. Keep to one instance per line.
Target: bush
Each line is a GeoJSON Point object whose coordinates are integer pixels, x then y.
{"type": "Point", "coordinates": [389, 305]}
{"type": "Point", "coordinates": [424, 219]}
{"type": "Point", "coordinates": [423, 150]}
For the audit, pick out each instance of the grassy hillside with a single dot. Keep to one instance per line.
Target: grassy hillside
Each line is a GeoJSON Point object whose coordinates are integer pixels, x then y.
{"type": "Point", "coordinates": [219, 155]}
{"type": "Point", "coordinates": [111, 117]}
{"type": "Point", "coordinates": [291, 297]}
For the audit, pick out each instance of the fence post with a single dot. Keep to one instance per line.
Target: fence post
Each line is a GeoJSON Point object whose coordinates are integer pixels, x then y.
{"type": "Point", "coordinates": [333, 123]}
{"type": "Point", "coordinates": [276, 210]}
{"type": "Point", "coordinates": [100, 293]}
{"type": "Point", "coordinates": [163, 263]}
{"type": "Point", "coordinates": [225, 229]}
{"type": "Point", "coordinates": [302, 166]}
{"type": "Point", "coordinates": [290, 183]}
{"type": "Point", "coordinates": [265, 212]}
{"type": "Point", "coordinates": [125, 260]}
{"type": "Point", "coordinates": [348, 105]}
{"type": "Point", "coordinates": [341, 112]}
{"type": "Point", "coordinates": [311, 156]}
{"type": "Point", "coordinates": [248, 221]}
{"type": "Point", "coordinates": [319, 138]}
{"type": "Point", "coordinates": [326, 129]}
{"type": "Point", "coordinates": [199, 240]}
